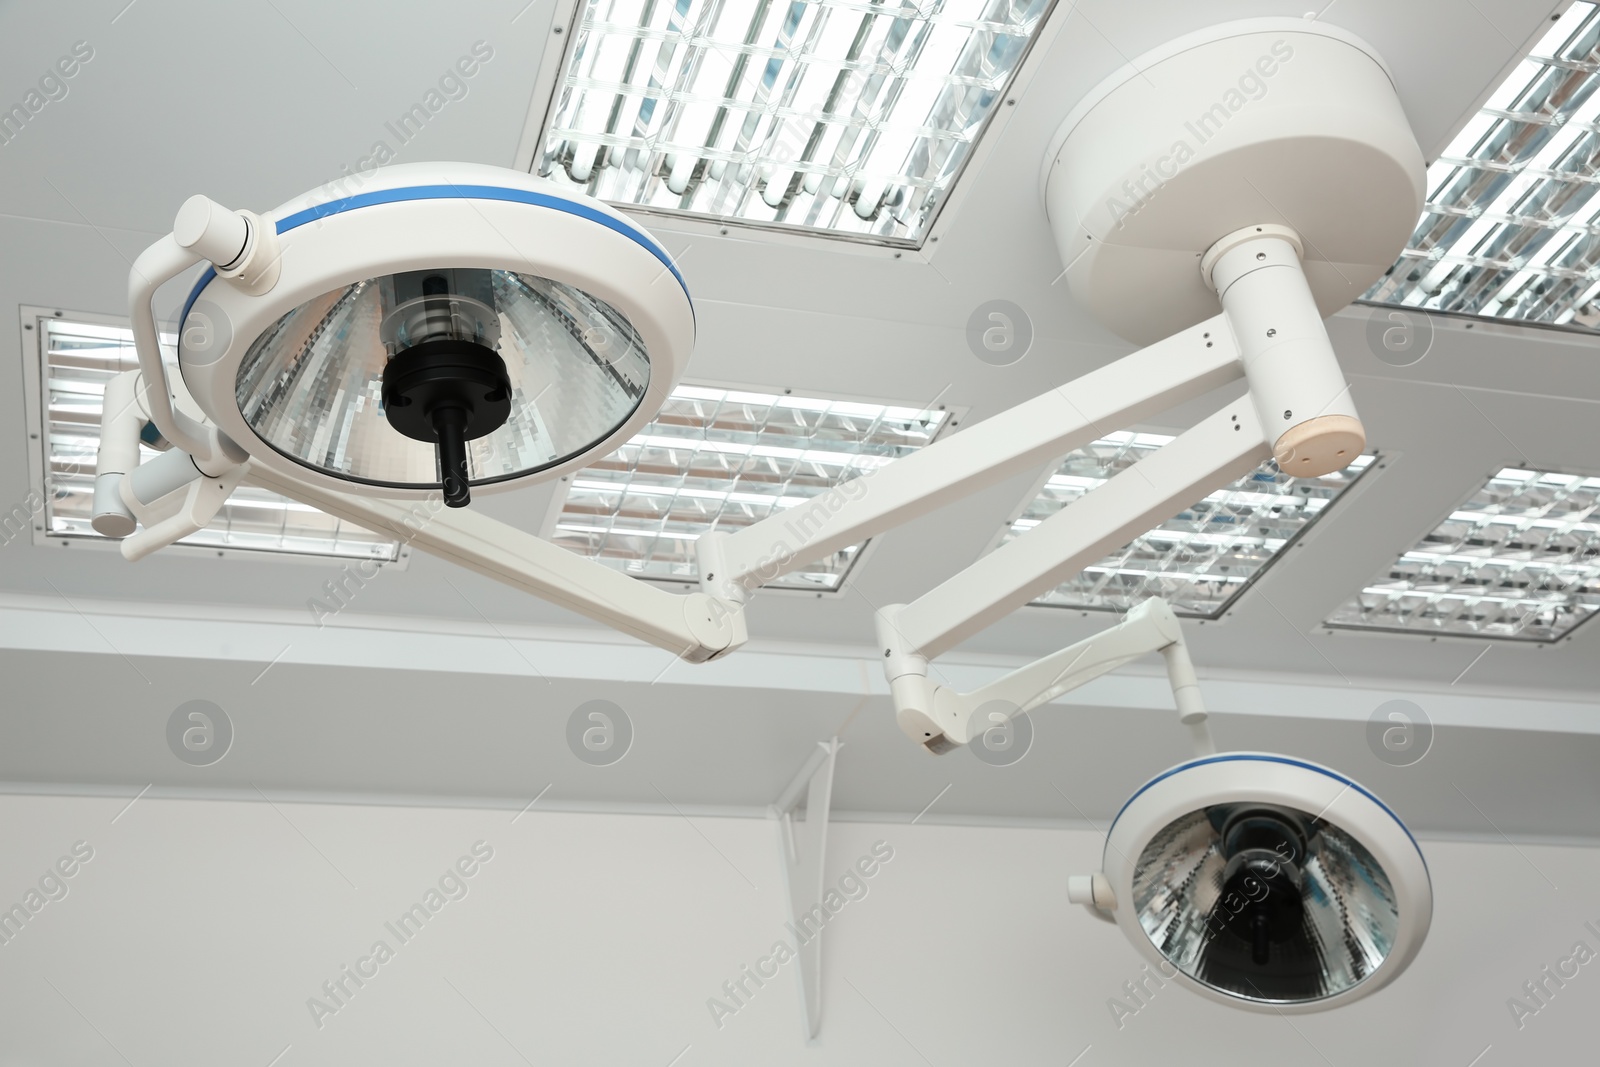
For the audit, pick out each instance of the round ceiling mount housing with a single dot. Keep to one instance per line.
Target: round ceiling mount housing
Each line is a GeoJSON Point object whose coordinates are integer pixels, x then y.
{"type": "Point", "coordinates": [1287, 122]}
{"type": "Point", "coordinates": [440, 324]}
{"type": "Point", "coordinates": [1268, 882]}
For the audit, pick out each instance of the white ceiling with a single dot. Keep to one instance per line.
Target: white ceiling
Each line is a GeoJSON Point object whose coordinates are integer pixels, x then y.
{"type": "Point", "coordinates": [255, 103]}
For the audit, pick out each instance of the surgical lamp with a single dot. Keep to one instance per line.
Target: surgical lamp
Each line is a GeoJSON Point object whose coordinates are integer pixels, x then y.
{"type": "Point", "coordinates": [450, 328]}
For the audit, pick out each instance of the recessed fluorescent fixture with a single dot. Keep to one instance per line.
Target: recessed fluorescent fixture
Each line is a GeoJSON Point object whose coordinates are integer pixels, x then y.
{"type": "Point", "coordinates": [1520, 559]}
{"type": "Point", "coordinates": [841, 118]}
{"type": "Point", "coordinates": [1199, 560]}
{"type": "Point", "coordinates": [724, 459]}
{"type": "Point", "coordinates": [79, 358]}
{"type": "Point", "coordinates": [1511, 227]}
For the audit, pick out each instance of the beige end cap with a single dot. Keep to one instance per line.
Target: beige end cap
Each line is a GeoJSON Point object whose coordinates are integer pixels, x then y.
{"type": "Point", "coordinates": [1319, 446]}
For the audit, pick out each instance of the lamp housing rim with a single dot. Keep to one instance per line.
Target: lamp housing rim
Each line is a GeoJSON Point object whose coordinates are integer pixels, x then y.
{"type": "Point", "coordinates": [424, 216]}
{"type": "Point", "coordinates": [1285, 781]}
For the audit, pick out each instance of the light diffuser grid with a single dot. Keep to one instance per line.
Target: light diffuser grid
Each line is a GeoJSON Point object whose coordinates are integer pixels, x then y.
{"type": "Point", "coordinates": [830, 116]}
{"type": "Point", "coordinates": [1519, 560]}
{"type": "Point", "coordinates": [1202, 558]}
{"type": "Point", "coordinates": [1511, 227]}
{"type": "Point", "coordinates": [725, 459]}
{"type": "Point", "coordinates": [79, 358]}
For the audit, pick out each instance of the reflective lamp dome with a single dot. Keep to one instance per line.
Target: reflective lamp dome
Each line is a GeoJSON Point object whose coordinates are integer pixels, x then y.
{"type": "Point", "coordinates": [312, 385]}
{"type": "Point", "coordinates": [1269, 904]}
{"type": "Point", "coordinates": [1268, 882]}
{"type": "Point", "coordinates": [438, 326]}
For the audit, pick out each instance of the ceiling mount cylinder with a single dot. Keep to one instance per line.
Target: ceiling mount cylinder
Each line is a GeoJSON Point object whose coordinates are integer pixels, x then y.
{"type": "Point", "coordinates": [1296, 385]}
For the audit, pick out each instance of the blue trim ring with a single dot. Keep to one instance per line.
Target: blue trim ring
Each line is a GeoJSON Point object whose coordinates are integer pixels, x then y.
{"type": "Point", "coordinates": [458, 192]}
{"type": "Point", "coordinates": [1245, 757]}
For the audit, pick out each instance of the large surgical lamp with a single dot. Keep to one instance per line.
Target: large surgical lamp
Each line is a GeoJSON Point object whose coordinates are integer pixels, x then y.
{"type": "Point", "coordinates": [1256, 879]}
{"type": "Point", "coordinates": [450, 327]}
{"type": "Point", "coordinates": [1264, 881]}
{"type": "Point", "coordinates": [432, 328]}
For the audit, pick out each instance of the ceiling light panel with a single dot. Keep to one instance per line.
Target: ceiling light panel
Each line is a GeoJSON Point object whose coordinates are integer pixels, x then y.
{"type": "Point", "coordinates": [1511, 227]}
{"type": "Point", "coordinates": [827, 116]}
{"type": "Point", "coordinates": [79, 358]}
{"type": "Point", "coordinates": [723, 459]}
{"type": "Point", "coordinates": [1519, 560]}
{"type": "Point", "coordinates": [1199, 560]}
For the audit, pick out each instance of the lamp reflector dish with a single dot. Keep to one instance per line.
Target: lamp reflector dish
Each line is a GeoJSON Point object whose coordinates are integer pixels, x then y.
{"type": "Point", "coordinates": [1266, 904]}
{"type": "Point", "coordinates": [311, 386]}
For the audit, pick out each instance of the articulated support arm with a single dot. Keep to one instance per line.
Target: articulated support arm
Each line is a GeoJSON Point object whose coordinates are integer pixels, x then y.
{"type": "Point", "coordinates": [1298, 410]}
{"type": "Point", "coordinates": [180, 493]}
{"type": "Point", "coordinates": [243, 249]}
{"type": "Point", "coordinates": [174, 495]}
{"type": "Point", "coordinates": [173, 499]}
{"type": "Point", "coordinates": [940, 719]}
{"type": "Point", "coordinates": [695, 627]}
{"type": "Point", "coordinates": [1025, 438]}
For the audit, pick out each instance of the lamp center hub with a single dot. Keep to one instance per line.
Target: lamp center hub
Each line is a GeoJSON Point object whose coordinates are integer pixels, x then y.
{"type": "Point", "coordinates": [447, 392]}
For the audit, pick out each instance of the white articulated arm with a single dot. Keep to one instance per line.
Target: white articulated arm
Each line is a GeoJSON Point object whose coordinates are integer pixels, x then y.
{"type": "Point", "coordinates": [1219, 449]}
{"type": "Point", "coordinates": [695, 627]}
{"type": "Point", "coordinates": [182, 491]}
{"type": "Point", "coordinates": [118, 455]}
{"type": "Point", "coordinates": [1298, 411]}
{"type": "Point", "coordinates": [1149, 627]}
{"type": "Point", "coordinates": [941, 719]}
{"type": "Point", "coordinates": [1216, 451]}
{"type": "Point", "coordinates": [156, 266]}
{"type": "Point", "coordinates": [1024, 438]}
{"type": "Point", "coordinates": [173, 500]}
{"type": "Point", "coordinates": [172, 496]}
{"type": "Point", "coordinates": [243, 249]}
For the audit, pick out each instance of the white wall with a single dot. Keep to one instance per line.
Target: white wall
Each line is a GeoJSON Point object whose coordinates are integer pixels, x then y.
{"type": "Point", "coordinates": [199, 929]}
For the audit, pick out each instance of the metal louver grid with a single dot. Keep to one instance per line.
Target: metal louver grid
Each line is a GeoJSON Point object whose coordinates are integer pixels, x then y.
{"type": "Point", "coordinates": [1520, 559]}
{"type": "Point", "coordinates": [725, 459]}
{"type": "Point", "coordinates": [1511, 226]}
{"type": "Point", "coordinates": [1202, 558]}
{"type": "Point", "coordinates": [79, 358]}
{"type": "Point", "coordinates": [830, 116]}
